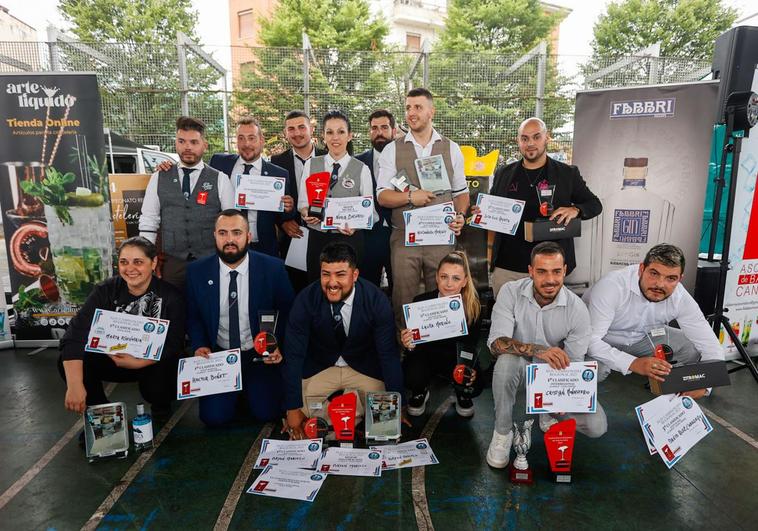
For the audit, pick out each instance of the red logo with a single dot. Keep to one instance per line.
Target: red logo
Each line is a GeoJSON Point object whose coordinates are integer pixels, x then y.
{"type": "Point", "coordinates": [325, 468]}
{"type": "Point", "coordinates": [478, 219]}
{"type": "Point", "coordinates": [412, 237]}
{"type": "Point", "coordinates": [537, 399]}
{"type": "Point", "coordinates": [751, 238]}
{"type": "Point", "coordinates": [329, 220]}
{"type": "Point", "coordinates": [185, 388]}
{"type": "Point", "coordinates": [416, 334]}
{"type": "Point", "coordinates": [261, 486]}
{"type": "Point", "coordinates": [264, 461]}
{"type": "Point", "coordinates": [95, 342]}
{"type": "Point", "coordinates": [202, 198]}
{"type": "Point", "coordinates": [241, 199]}
{"type": "Point", "coordinates": [668, 453]}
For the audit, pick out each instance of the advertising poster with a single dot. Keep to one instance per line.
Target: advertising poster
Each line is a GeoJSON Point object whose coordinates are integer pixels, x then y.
{"type": "Point", "coordinates": [127, 191]}
{"type": "Point", "coordinates": [644, 152]}
{"type": "Point", "coordinates": [54, 198]}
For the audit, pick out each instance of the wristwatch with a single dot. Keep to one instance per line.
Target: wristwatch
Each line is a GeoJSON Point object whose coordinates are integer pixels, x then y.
{"type": "Point", "coordinates": [410, 202]}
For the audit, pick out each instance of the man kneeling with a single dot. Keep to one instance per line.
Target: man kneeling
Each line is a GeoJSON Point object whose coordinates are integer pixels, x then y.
{"type": "Point", "coordinates": [536, 320]}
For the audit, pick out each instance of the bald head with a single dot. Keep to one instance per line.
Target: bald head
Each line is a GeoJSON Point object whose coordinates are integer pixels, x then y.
{"type": "Point", "coordinates": [532, 142]}
{"type": "Point", "coordinates": [535, 122]}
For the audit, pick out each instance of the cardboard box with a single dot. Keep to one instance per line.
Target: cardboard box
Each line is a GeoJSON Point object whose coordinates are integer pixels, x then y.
{"type": "Point", "coordinates": [691, 376]}
{"type": "Point", "coordinates": [543, 229]}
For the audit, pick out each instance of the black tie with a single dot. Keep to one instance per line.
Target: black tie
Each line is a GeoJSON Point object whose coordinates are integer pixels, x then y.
{"type": "Point", "coordinates": [186, 182]}
{"type": "Point", "coordinates": [234, 318]}
{"type": "Point", "coordinates": [298, 157]}
{"type": "Point", "coordinates": [339, 325]}
{"type": "Point", "coordinates": [247, 169]}
{"type": "Point", "coordinates": [335, 174]}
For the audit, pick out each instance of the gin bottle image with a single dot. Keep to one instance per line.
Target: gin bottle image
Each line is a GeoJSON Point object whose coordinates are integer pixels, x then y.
{"type": "Point", "coordinates": [633, 220]}
{"type": "Point", "coordinates": [142, 429]}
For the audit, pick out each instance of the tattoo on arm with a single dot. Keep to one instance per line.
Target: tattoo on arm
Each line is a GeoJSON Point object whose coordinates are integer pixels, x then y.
{"type": "Point", "coordinates": [507, 345]}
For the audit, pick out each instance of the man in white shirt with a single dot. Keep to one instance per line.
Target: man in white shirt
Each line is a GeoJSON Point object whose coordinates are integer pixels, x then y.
{"type": "Point", "coordinates": [181, 204]}
{"type": "Point", "coordinates": [631, 309]}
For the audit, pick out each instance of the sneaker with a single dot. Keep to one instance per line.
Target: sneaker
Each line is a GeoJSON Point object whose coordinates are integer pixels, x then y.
{"type": "Point", "coordinates": [546, 420]}
{"type": "Point", "coordinates": [464, 406]}
{"type": "Point", "coordinates": [499, 451]}
{"type": "Point", "coordinates": [417, 404]}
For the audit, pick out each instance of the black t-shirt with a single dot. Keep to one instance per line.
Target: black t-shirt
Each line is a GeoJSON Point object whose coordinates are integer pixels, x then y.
{"type": "Point", "coordinates": [515, 252]}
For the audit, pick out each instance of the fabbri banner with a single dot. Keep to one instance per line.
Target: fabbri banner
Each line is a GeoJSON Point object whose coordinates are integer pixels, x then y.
{"type": "Point", "coordinates": [644, 152]}
{"type": "Point", "coordinates": [54, 198]}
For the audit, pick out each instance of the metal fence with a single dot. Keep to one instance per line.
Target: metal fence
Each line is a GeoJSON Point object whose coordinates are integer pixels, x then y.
{"type": "Point", "coordinates": [480, 97]}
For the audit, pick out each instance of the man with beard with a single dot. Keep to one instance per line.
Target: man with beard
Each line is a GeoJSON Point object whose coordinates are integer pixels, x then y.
{"type": "Point", "coordinates": [631, 309]}
{"type": "Point", "coordinates": [536, 320]}
{"type": "Point", "coordinates": [526, 179]}
{"type": "Point", "coordinates": [376, 251]}
{"type": "Point", "coordinates": [181, 203]}
{"type": "Point", "coordinates": [225, 293]}
{"type": "Point", "coordinates": [340, 336]}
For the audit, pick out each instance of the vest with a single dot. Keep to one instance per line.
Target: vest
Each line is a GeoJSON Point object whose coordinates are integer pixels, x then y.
{"type": "Point", "coordinates": [352, 172]}
{"type": "Point", "coordinates": [405, 157]}
{"type": "Point", "coordinates": [186, 226]}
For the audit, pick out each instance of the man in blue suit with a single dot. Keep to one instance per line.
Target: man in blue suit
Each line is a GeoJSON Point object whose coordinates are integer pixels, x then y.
{"type": "Point", "coordinates": [376, 253]}
{"type": "Point", "coordinates": [340, 335]}
{"type": "Point", "coordinates": [248, 160]}
{"type": "Point", "coordinates": [225, 293]}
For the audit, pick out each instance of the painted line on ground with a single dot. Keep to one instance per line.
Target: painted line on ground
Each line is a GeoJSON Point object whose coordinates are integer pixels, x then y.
{"type": "Point", "coordinates": [43, 461]}
{"type": "Point", "coordinates": [135, 469]}
{"type": "Point", "coordinates": [232, 499]}
{"type": "Point", "coordinates": [739, 433]}
{"type": "Point", "coordinates": [418, 476]}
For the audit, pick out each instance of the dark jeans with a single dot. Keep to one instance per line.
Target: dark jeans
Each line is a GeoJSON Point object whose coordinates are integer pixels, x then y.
{"type": "Point", "coordinates": [425, 361]}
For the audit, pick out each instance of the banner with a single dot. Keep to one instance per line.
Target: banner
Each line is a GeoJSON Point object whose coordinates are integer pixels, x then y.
{"type": "Point", "coordinates": [53, 196]}
{"type": "Point", "coordinates": [127, 194]}
{"type": "Point", "coordinates": [644, 152]}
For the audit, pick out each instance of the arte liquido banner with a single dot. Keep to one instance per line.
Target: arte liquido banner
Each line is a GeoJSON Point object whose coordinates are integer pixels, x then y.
{"type": "Point", "coordinates": [644, 152]}
{"type": "Point", "coordinates": [53, 196]}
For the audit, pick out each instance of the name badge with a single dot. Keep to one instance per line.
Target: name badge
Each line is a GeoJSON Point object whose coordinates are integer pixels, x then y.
{"type": "Point", "coordinates": [656, 332]}
{"type": "Point", "coordinates": [202, 198]}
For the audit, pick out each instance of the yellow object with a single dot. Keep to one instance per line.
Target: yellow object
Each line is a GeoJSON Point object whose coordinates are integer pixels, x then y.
{"type": "Point", "coordinates": [479, 166]}
{"type": "Point", "coordinates": [121, 346]}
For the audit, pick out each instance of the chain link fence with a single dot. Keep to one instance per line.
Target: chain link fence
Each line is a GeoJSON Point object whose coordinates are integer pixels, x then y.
{"type": "Point", "coordinates": [480, 98]}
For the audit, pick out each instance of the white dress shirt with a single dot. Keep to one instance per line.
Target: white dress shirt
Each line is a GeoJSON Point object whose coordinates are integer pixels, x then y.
{"type": "Point", "coordinates": [243, 298]}
{"type": "Point", "coordinates": [150, 218]}
{"type": "Point", "coordinates": [299, 164]}
{"type": "Point", "coordinates": [347, 313]}
{"type": "Point", "coordinates": [623, 316]}
{"type": "Point", "coordinates": [388, 169]}
{"type": "Point", "coordinates": [257, 169]}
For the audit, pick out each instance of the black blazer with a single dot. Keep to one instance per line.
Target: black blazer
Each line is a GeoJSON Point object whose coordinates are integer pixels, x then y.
{"type": "Point", "coordinates": [367, 158]}
{"type": "Point", "coordinates": [311, 345]}
{"type": "Point", "coordinates": [286, 160]}
{"type": "Point", "coordinates": [570, 190]}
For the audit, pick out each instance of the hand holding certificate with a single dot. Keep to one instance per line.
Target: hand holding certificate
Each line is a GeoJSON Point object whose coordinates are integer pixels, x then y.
{"type": "Point", "coordinates": [259, 192]}
{"type": "Point", "coordinates": [124, 333]}
{"type": "Point", "coordinates": [569, 390]}
{"type": "Point", "coordinates": [429, 225]}
{"type": "Point", "coordinates": [498, 214]}
{"type": "Point", "coordinates": [435, 319]}
{"type": "Point", "coordinates": [355, 212]}
{"type": "Point", "coordinates": [220, 372]}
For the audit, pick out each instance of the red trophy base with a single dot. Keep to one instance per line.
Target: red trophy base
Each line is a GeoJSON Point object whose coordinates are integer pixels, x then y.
{"type": "Point", "coordinates": [521, 476]}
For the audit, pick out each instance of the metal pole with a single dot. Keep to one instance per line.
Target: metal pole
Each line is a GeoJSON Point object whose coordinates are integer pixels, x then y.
{"type": "Point", "coordinates": [226, 116]}
{"type": "Point", "coordinates": [539, 107]}
{"type": "Point", "coordinates": [52, 39]}
{"type": "Point", "coordinates": [655, 54]}
{"type": "Point", "coordinates": [306, 73]}
{"type": "Point", "coordinates": [181, 56]}
{"type": "Point", "coordinates": [425, 51]}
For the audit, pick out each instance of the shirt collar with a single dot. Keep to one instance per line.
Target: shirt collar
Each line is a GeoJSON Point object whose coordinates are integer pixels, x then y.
{"type": "Point", "coordinates": [342, 162]}
{"type": "Point", "coordinates": [410, 138]}
{"type": "Point", "coordinates": [634, 281]}
{"type": "Point", "coordinates": [350, 298]}
{"type": "Point", "coordinates": [198, 166]}
{"type": "Point", "coordinates": [296, 157]}
{"type": "Point", "coordinates": [257, 163]}
{"type": "Point", "coordinates": [224, 268]}
{"type": "Point", "coordinates": [527, 291]}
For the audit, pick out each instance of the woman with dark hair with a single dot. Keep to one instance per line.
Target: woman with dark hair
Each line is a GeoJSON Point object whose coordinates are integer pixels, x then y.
{"type": "Point", "coordinates": [135, 290]}
{"type": "Point", "coordinates": [426, 360]}
{"type": "Point", "coordinates": [349, 178]}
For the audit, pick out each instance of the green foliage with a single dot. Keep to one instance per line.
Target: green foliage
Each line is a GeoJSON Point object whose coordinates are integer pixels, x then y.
{"type": "Point", "coordinates": [52, 191]}
{"type": "Point", "coordinates": [29, 299]}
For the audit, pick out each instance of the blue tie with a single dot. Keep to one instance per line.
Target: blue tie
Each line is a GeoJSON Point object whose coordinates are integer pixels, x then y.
{"type": "Point", "coordinates": [335, 174]}
{"type": "Point", "coordinates": [339, 325]}
{"type": "Point", "coordinates": [186, 183]}
{"type": "Point", "coordinates": [234, 316]}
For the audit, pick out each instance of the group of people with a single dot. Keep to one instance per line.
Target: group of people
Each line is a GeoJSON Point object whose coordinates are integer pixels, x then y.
{"type": "Point", "coordinates": [336, 329]}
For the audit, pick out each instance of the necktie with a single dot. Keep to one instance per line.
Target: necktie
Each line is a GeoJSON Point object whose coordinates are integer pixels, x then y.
{"type": "Point", "coordinates": [335, 174]}
{"type": "Point", "coordinates": [234, 318]}
{"type": "Point", "coordinates": [247, 169]}
{"type": "Point", "coordinates": [301, 159]}
{"type": "Point", "coordinates": [186, 182]}
{"type": "Point", "coordinates": [339, 325]}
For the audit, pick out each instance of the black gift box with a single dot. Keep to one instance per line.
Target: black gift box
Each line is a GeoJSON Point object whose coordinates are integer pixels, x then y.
{"type": "Point", "coordinates": [544, 229]}
{"type": "Point", "coordinates": [691, 376]}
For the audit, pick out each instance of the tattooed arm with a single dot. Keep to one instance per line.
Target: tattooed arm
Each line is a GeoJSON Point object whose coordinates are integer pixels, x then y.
{"type": "Point", "coordinates": [507, 345]}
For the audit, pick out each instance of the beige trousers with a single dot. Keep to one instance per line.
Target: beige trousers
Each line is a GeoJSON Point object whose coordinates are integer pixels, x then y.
{"type": "Point", "coordinates": [321, 385]}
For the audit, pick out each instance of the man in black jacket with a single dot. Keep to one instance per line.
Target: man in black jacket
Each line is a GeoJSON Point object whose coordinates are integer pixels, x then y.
{"type": "Point", "coordinates": [523, 180]}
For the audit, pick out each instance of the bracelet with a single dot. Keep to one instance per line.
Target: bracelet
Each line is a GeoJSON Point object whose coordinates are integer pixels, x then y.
{"type": "Point", "coordinates": [410, 202]}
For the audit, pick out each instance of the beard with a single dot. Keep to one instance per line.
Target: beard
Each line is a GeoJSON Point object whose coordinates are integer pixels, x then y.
{"type": "Point", "coordinates": [231, 256]}
{"type": "Point", "coordinates": [380, 143]}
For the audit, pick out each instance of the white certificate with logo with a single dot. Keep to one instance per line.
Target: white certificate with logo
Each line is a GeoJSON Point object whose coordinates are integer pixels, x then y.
{"type": "Point", "coordinates": [432, 174]}
{"type": "Point", "coordinates": [124, 333]}
{"type": "Point", "coordinates": [677, 428]}
{"type": "Point", "coordinates": [428, 225]}
{"type": "Point", "coordinates": [569, 390]}
{"type": "Point", "coordinates": [351, 462]}
{"type": "Point", "coordinates": [219, 373]}
{"type": "Point", "coordinates": [355, 212]}
{"type": "Point", "coordinates": [648, 411]}
{"type": "Point", "coordinates": [498, 214]}
{"type": "Point", "coordinates": [290, 454]}
{"type": "Point", "coordinates": [435, 319]}
{"type": "Point", "coordinates": [288, 483]}
{"type": "Point", "coordinates": [407, 454]}
{"type": "Point", "coordinates": [259, 192]}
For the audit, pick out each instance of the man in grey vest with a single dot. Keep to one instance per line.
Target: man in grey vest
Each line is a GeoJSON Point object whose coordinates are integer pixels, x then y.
{"type": "Point", "coordinates": [181, 204]}
{"type": "Point", "coordinates": [414, 266]}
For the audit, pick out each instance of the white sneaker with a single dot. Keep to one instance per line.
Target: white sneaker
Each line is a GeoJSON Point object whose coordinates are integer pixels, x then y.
{"type": "Point", "coordinates": [546, 420]}
{"type": "Point", "coordinates": [417, 404]}
{"type": "Point", "coordinates": [499, 451]}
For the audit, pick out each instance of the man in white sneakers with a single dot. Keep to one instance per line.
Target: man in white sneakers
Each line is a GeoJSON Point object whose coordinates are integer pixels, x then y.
{"type": "Point", "coordinates": [536, 320]}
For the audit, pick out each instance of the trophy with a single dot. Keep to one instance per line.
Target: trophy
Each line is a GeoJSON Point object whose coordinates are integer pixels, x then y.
{"type": "Point", "coordinates": [545, 193]}
{"type": "Point", "coordinates": [342, 414]}
{"type": "Point", "coordinates": [265, 342]}
{"type": "Point", "coordinates": [522, 440]}
{"type": "Point", "coordinates": [317, 187]}
{"type": "Point", "coordinates": [402, 183]}
{"type": "Point", "coordinates": [463, 372]}
{"type": "Point", "coordinates": [559, 444]}
{"type": "Point", "coordinates": [658, 338]}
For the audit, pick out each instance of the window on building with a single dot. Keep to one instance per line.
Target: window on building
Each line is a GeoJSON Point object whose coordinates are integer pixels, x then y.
{"type": "Point", "coordinates": [245, 20]}
{"type": "Point", "coordinates": [412, 42]}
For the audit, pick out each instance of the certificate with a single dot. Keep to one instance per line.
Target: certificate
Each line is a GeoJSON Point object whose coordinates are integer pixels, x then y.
{"type": "Point", "coordinates": [407, 454]}
{"type": "Point", "coordinates": [355, 212]}
{"type": "Point", "coordinates": [428, 225]}
{"type": "Point", "coordinates": [124, 333]}
{"type": "Point", "coordinates": [648, 411]}
{"type": "Point", "coordinates": [569, 390]}
{"type": "Point", "coordinates": [435, 319]}
{"type": "Point", "coordinates": [259, 192]}
{"type": "Point", "coordinates": [281, 482]}
{"type": "Point", "coordinates": [677, 428]}
{"type": "Point", "coordinates": [432, 174]}
{"type": "Point", "coordinates": [221, 372]}
{"type": "Point", "coordinates": [351, 462]}
{"type": "Point", "coordinates": [290, 454]}
{"type": "Point", "coordinates": [498, 214]}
